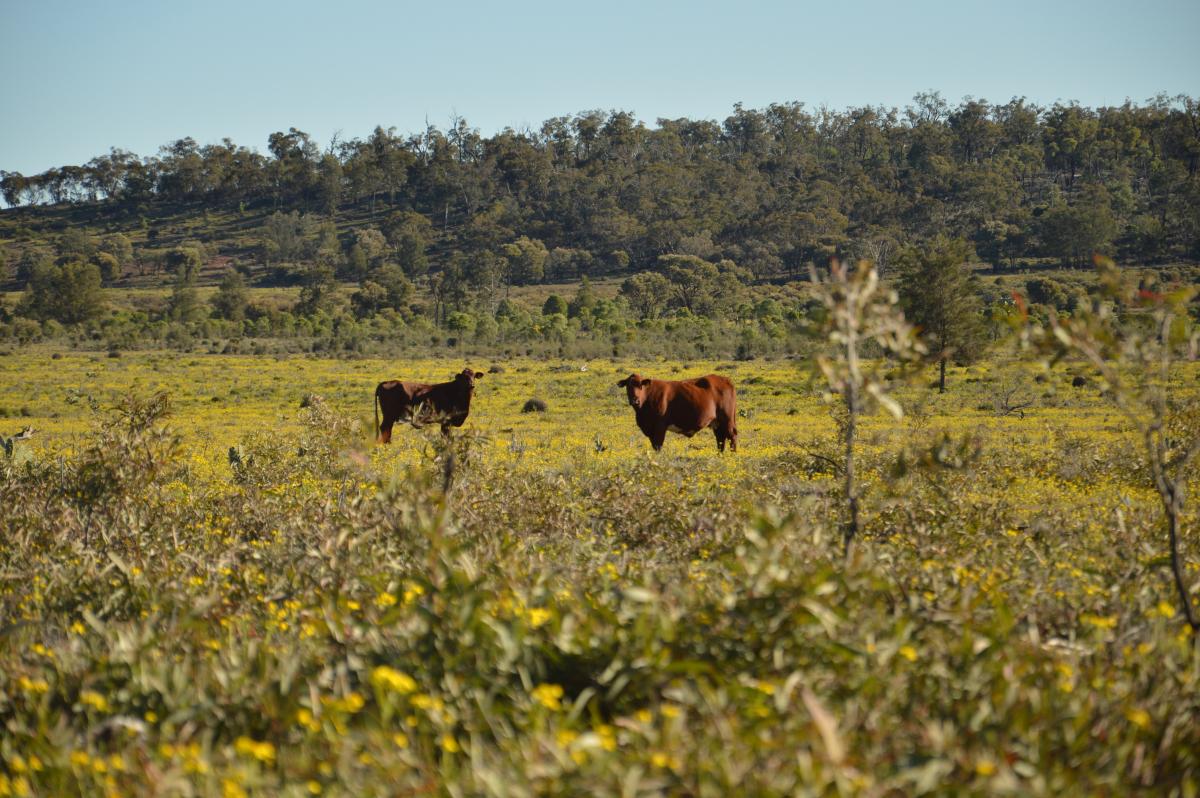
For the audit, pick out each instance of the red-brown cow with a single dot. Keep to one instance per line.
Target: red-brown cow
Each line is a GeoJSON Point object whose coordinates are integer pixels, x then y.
{"type": "Point", "coordinates": [684, 406]}
{"type": "Point", "coordinates": [421, 403]}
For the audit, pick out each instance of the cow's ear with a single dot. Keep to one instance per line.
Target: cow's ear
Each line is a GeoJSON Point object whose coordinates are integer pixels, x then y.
{"type": "Point", "coordinates": [623, 383]}
{"type": "Point", "coordinates": [479, 375]}
{"type": "Point", "coordinates": [645, 382]}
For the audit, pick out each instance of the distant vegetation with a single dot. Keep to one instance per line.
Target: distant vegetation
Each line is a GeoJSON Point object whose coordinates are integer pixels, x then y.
{"type": "Point", "coordinates": [426, 238]}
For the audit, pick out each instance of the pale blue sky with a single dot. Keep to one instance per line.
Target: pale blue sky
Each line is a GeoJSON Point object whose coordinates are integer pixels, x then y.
{"type": "Point", "coordinates": [79, 77]}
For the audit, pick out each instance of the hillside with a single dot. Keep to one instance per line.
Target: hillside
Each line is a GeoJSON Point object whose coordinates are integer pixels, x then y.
{"type": "Point", "coordinates": [768, 189]}
{"type": "Point", "coordinates": [690, 234]}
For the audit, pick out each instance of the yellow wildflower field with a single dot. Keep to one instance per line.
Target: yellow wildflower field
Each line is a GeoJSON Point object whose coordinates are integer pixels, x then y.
{"type": "Point", "coordinates": [236, 592]}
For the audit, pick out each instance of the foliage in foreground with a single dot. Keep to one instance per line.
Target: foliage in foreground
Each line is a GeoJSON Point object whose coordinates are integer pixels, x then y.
{"type": "Point", "coordinates": [320, 623]}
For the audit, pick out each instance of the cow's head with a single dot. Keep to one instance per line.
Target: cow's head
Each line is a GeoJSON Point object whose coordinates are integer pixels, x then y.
{"type": "Point", "coordinates": [635, 388]}
{"type": "Point", "coordinates": [467, 377]}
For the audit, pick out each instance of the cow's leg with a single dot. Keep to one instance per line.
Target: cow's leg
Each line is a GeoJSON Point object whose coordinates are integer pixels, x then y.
{"type": "Point", "coordinates": [385, 429]}
{"type": "Point", "coordinates": [726, 428]}
{"type": "Point", "coordinates": [657, 436]}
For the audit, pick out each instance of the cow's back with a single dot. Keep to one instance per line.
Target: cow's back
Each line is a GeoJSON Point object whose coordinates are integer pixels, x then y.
{"type": "Point", "coordinates": [719, 386]}
{"type": "Point", "coordinates": [397, 394]}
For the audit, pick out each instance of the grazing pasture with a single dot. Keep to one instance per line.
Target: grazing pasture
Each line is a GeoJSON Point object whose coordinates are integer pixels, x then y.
{"type": "Point", "coordinates": [233, 592]}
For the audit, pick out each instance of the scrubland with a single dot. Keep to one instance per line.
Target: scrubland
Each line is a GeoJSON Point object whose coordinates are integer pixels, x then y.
{"type": "Point", "coordinates": [211, 583]}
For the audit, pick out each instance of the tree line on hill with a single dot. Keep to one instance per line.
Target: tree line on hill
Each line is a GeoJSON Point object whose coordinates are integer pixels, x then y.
{"type": "Point", "coordinates": [434, 229]}
{"type": "Point", "coordinates": [770, 190]}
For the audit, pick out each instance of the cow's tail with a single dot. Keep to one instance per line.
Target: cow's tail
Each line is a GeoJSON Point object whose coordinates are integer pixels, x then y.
{"type": "Point", "coordinates": [377, 389]}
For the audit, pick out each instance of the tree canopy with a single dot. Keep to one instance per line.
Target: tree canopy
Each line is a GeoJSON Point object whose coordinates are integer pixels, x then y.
{"type": "Point", "coordinates": [769, 189]}
{"type": "Point", "coordinates": [937, 290]}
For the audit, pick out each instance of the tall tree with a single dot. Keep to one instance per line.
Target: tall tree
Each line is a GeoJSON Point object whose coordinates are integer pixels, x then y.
{"type": "Point", "coordinates": [69, 293]}
{"type": "Point", "coordinates": [184, 302]}
{"type": "Point", "coordinates": [647, 293]}
{"type": "Point", "coordinates": [526, 260]}
{"type": "Point", "coordinates": [232, 298]}
{"type": "Point", "coordinates": [938, 292]}
{"type": "Point", "coordinates": [1075, 232]}
{"type": "Point", "coordinates": [318, 289]}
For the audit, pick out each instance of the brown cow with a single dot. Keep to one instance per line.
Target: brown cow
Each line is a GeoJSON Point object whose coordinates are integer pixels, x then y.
{"type": "Point", "coordinates": [684, 406]}
{"type": "Point", "coordinates": [421, 403]}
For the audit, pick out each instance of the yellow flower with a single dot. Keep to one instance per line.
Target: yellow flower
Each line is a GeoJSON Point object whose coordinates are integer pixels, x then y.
{"type": "Point", "coordinates": [608, 737]}
{"type": "Point", "coordinates": [78, 628]}
{"type": "Point", "coordinates": [538, 616]}
{"type": "Point", "coordinates": [93, 699]}
{"type": "Point", "coordinates": [1165, 609]}
{"type": "Point", "coordinates": [387, 678]}
{"type": "Point", "coordinates": [1101, 621]}
{"type": "Point", "coordinates": [231, 789]}
{"type": "Point", "coordinates": [449, 744]}
{"type": "Point", "coordinates": [426, 702]}
{"type": "Point", "coordinates": [385, 599]}
{"type": "Point", "coordinates": [400, 739]}
{"type": "Point", "coordinates": [18, 786]}
{"type": "Point", "coordinates": [37, 686]}
{"type": "Point", "coordinates": [1138, 717]}
{"type": "Point", "coordinates": [909, 653]}
{"type": "Point", "coordinates": [548, 695]}
{"type": "Point", "coordinates": [314, 787]}
{"type": "Point", "coordinates": [985, 767]}
{"type": "Point", "coordinates": [262, 751]}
